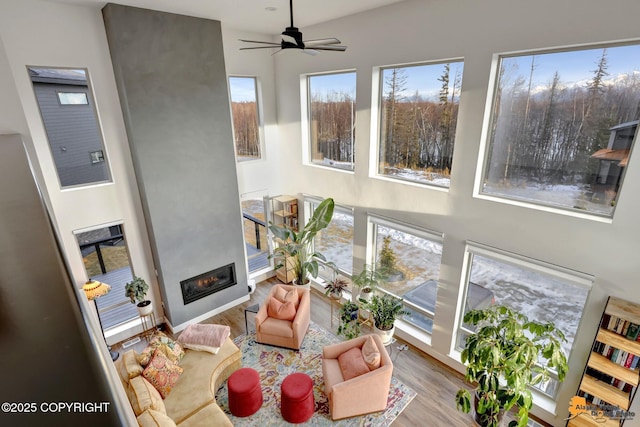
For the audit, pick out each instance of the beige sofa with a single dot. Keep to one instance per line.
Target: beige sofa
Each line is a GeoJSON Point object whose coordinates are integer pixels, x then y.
{"type": "Point", "coordinates": [191, 402]}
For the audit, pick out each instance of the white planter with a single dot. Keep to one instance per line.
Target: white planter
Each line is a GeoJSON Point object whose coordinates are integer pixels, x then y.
{"type": "Point", "coordinates": [385, 336]}
{"type": "Point", "coordinates": [144, 310]}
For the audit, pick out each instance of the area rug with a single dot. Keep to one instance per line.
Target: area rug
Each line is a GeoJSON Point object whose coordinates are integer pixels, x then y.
{"type": "Point", "coordinates": [274, 364]}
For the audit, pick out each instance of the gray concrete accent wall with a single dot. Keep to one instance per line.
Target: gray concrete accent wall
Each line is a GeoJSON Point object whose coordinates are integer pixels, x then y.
{"type": "Point", "coordinates": [172, 84]}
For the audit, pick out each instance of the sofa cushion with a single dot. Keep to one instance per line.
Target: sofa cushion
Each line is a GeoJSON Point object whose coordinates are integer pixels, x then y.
{"type": "Point", "coordinates": [128, 366]}
{"type": "Point", "coordinates": [352, 363]}
{"type": "Point", "coordinates": [370, 354]}
{"type": "Point", "coordinates": [201, 377]}
{"type": "Point", "coordinates": [142, 396]}
{"type": "Point", "coordinates": [151, 418]}
{"type": "Point", "coordinates": [281, 310]}
{"type": "Point", "coordinates": [162, 373]}
{"type": "Point", "coordinates": [204, 337]}
{"type": "Point", "coordinates": [209, 416]}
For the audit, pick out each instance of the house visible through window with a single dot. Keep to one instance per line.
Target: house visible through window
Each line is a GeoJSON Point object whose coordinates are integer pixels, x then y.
{"type": "Point", "coordinates": [563, 126]}
{"type": "Point", "coordinates": [418, 117]}
{"type": "Point", "coordinates": [71, 123]}
{"type": "Point", "coordinates": [246, 118]}
{"type": "Point", "coordinates": [332, 119]}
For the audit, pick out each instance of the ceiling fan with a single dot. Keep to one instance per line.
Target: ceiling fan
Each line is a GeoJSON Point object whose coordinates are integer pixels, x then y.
{"type": "Point", "coordinates": [292, 39]}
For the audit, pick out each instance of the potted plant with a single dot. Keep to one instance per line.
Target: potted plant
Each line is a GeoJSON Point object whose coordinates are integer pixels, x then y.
{"type": "Point", "coordinates": [349, 326]}
{"type": "Point", "coordinates": [505, 356]}
{"type": "Point", "coordinates": [136, 290]}
{"type": "Point", "coordinates": [334, 288]}
{"type": "Point", "coordinates": [367, 281]}
{"type": "Point", "coordinates": [296, 248]}
{"type": "Point", "coordinates": [385, 310]}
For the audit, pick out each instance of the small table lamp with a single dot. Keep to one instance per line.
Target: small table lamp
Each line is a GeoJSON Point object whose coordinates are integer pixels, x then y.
{"type": "Point", "coordinates": [93, 290]}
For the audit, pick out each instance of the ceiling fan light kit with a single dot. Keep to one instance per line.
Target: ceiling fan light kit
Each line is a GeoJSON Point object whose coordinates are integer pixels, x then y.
{"type": "Point", "coordinates": [292, 39]}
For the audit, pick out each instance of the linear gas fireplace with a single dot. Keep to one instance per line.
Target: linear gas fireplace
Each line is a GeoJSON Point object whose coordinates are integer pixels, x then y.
{"type": "Point", "coordinates": [208, 283]}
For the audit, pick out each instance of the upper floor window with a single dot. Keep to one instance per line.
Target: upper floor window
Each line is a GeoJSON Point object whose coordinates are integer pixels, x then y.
{"type": "Point", "coordinates": [71, 123]}
{"type": "Point", "coordinates": [418, 116]}
{"type": "Point", "coordinates": [332, 119]}
{"type": "Point", "coordinates": [562, 127]}
{"type": "Point", "coordinates": [246, 119]}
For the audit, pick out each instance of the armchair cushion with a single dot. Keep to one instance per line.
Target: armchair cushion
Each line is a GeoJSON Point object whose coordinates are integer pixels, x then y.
{"type": "Point", "coordinates": [352, 363]}
{"type": "Point", "coordinates": [283, 295]}
{"type": "Point", "coordinates": [281, 310]}
{"type": "Point", "coordinates": [371, 354]}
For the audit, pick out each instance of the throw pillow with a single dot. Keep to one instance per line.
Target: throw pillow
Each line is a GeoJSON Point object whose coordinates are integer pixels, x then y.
{"type": "Point", "coordinates": [162, 373]}
{"type": "Point", "coordinates": [370, 354]}
{"type": "Point", "coordinates": [279, 293]}
{"type": "Point", "coordinates": [279, 310]}
{"type": "Point", "coordinates": [205, 337]}
{"type": "Point", "coordinates": [151, 418]}
{"type": "Point", "coordinates": [143, 396]}
{"type": "Point", "coordinates": [292, 296]}
{"type": "Point", "coordinates": [352, 364]}
{"type": "Point", "coordinates": [169, 347]}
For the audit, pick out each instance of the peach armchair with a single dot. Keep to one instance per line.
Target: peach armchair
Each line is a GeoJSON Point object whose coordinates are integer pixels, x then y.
{"type": "Point", "coordinates": [282, 332]}
{"type": "Point", "coordinates": [363, 394]}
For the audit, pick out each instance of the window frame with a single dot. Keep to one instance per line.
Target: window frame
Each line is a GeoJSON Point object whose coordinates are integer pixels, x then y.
{"type": "Point", "coordinates": [564, 274]}
{"type": "Point", "coordinates": [259, 117]}
{"type": "Point", "coordinates": [486, 141]}
{"type": "Point", "coordinates": [377, 109]}
{"type": "Point", "coordinates": [374, 220]}
{"type": "Point", "coordinates": [305, 119]}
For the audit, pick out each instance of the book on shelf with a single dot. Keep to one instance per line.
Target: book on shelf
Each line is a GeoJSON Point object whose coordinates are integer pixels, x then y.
{"type": "Point", "coordinates": [632, 331]}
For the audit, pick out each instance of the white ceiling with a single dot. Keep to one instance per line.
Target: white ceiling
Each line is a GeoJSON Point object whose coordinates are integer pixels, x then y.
{"type": "Point", "coordinates": [252, 15]}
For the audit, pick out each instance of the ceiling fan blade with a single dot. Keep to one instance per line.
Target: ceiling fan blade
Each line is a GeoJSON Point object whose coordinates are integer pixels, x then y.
{"type": "Point", "coordinates": [311, 52]}
{"type": "Point", "coordinates": [319, 42]}
{"type": "Point", "coordinates": [259, 47]}
{"type": "Point", "coordinates": [331, 47]}
{"type": "Point", "coordinates": [288, 39]}
{"type": "Point", "coordinates": [256, 41]}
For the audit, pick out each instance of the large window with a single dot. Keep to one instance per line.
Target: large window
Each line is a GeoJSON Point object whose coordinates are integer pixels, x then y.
{"type": "Point", "coordinates": [332, 119]}
{"type": "Point", "coordinates": [562, 127]}
{"type": "Point", "coordinates": [246, 120]}
{"type": "Point", "coordinates": [410, 259]}
{"type": "Point", "coordinates": [336, 241]}
{"type": "Point", "coordinates": [70, 121]}
{"type": "Point", "coordinates": [541, 291]}
{"type": "Point", "coordinates": [418, 116]}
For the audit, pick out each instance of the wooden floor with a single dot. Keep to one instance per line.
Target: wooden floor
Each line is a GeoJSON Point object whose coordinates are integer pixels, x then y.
{"type": "Point", "coordinates": [435, 383]}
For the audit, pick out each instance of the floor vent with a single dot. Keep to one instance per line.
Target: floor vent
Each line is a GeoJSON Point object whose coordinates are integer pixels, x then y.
{"type": "Point", "coordinates": [532, 423]}
{"type": "Point", "coordinates": [131, 342]}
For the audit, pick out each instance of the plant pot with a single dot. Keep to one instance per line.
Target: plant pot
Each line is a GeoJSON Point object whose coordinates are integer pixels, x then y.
{"type": "Point", "coordinates": [385, 335]}
{"type": "Point", "coordinates": [144, 308]}
{"type": "Point", "coordinates": [487, 419]}
{"type": "Point", "coordinates": [336, 296]}
{"type": "Point", "coordinates": [366, 294]}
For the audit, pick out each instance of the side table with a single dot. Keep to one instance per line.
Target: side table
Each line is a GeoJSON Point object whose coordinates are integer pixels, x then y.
{"type": "Point", "coordinates": [251, 309]}
{"type": "Point", "coordinates": [148, 324]}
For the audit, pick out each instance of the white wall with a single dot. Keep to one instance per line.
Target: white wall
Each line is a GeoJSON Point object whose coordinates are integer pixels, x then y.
{"type": "Point", "coordinates": [413, 31]}
{"type": "Point", "coordinates": [46, 34]}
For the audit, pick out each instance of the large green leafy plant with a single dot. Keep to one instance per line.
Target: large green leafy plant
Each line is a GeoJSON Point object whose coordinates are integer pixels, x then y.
{"type": "Point", "coordinates": [298, 245]}
{"type": "Point", "coordinates": [385, 310]}
{"type": "Point", "coordinates": [136, 290]}
{"type": "Point", "coordinates": [506, 355]}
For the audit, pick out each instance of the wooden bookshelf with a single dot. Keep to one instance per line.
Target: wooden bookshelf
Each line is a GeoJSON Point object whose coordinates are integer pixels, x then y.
{"type": "Point", "coordinates": [612, 373]}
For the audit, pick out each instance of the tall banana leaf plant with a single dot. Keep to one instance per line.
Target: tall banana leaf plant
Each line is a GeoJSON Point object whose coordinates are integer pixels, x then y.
{"type": "Point", "coordinates": [297, 246]}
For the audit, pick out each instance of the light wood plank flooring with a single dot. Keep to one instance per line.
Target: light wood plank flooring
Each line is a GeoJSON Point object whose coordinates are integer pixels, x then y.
{"type": "Point", "coordinates": [435, 383]}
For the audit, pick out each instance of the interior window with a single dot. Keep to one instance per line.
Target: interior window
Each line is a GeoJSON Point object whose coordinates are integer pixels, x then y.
{"type": "Point", "coordinates": [69, 116]}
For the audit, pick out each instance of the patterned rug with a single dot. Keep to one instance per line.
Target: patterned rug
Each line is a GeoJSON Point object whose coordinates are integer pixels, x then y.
{"type": "Point", "coordinates": [274, 364]}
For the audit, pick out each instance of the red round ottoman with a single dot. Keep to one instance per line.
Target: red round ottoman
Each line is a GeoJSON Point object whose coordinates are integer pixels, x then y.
{"type": "Point", "coordinates": [245, 392]}
{"type": "Point", "coordinates": [297, 403]}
